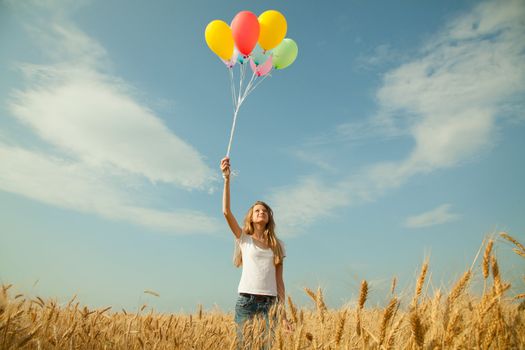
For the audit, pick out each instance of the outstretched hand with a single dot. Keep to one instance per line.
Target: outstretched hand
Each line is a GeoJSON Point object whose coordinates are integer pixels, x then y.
{"type": "Point", "coordinates": [225, 167]}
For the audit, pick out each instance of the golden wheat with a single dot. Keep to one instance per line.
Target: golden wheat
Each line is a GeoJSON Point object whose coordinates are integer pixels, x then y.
{"type": "Point", "coordinates": [486, 258]}
{"type": "Point", "coordinates": [420, 282]}
{"type": "Point", "coordinates": [462, 320]}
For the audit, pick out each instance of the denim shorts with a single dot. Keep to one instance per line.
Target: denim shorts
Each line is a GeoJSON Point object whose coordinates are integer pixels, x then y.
{"type": "Point", "coordinates": [246, 308]}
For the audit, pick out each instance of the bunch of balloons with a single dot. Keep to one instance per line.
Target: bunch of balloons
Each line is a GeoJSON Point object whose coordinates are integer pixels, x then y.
{"type": "Point", "coordinates": [250, 40]}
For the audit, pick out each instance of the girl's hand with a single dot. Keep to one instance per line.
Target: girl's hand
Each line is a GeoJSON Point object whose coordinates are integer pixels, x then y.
{"type": "Point", "coordinates": [225, 167]}
{"type": "Point", "coordinates": [288, 327]}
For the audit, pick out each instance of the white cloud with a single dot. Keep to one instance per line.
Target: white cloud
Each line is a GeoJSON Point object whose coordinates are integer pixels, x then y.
{"type": "Point", "coordinates": [437, 216]}
{"type": "Point", "coordinates": [315, 158]}
{"type": "Point", "coordinates": [459, 85]}
{"type": "Point", "coordinates": [93, 119]}
{"type": "Point", "coordinates": [97, 134]}
{"type": "Point", "coordinates": [82, 187]}
{"type": "Point", "coordinates": [447, 99]}
{"type": "Point", "coordinates": [298, 206]}
{"type": "Point", "coordinates": [62, 41]}
{"type": "Point", "coordinates": [380, 55]}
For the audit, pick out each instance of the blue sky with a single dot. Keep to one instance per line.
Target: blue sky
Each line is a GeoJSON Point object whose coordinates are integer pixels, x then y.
{"type": "Point", "coordinates": [396, 135]}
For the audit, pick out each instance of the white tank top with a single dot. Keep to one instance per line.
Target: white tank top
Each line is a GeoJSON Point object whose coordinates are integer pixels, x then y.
{"type": "Point", "coordinates": [258, 268]}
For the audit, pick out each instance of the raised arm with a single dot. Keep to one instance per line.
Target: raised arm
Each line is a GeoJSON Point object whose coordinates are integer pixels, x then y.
{"type": "Point", "coordinates": [230, 219]}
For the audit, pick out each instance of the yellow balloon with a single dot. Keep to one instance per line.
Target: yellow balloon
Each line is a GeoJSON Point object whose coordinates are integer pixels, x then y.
{"type": "Point", "coordinates": [273, 29]}
{"type": "Point", "coordinates": [219, 38]}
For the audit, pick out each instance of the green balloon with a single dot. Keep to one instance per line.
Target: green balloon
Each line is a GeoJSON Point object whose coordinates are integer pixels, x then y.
{"type": "Point", "coordinates": [284, 54]}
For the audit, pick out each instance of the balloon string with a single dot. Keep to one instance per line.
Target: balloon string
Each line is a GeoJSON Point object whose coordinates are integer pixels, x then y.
{"type": "Point", "coordinates": [242, 70]}
{"type": "Point", "coordinates": [237, 105]}
{"type": "Point", "coordinates": [232, 87]}
{"type": "Point", "coordinates": [240, 96]}
{"type": "Point", "coordinates": [236, 101]}
{"type": "Point", "coordinates": [255, 85]}
{"type": "Point", "coordinates": [232, 130]}
{"type": "Point", "coordinates": [252, 79]}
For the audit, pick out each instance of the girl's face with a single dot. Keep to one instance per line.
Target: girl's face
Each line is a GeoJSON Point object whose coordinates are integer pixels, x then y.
{"type": "Point", "coordinates": [260, 214]}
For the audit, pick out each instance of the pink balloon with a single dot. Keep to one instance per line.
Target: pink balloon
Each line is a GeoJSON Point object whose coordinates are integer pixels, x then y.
{"type": "Point", "coordinates": [262, 69]}
{"type": "Point", "coordinates": [245, 30]}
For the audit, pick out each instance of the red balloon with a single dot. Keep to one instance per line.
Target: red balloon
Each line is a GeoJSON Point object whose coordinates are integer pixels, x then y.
{"type": "Point", "coordinates": [245, 30]}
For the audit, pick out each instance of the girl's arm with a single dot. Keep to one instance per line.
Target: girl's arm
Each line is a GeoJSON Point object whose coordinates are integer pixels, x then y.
{"type": "Point", "coordinates": [280, 283]}
{"type": "Point", "coordinates": [230, 219]}
{"type": "Point", "coordinates": [281, 294]}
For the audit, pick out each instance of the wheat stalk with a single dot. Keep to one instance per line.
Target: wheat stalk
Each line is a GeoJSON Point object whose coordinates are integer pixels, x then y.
{"type": "Point", "coordinates": [420, 283]}
{"type": "Point", "coordinates": [340, 327]}
{"type": "Point", "coordinates": [486, 258]}
{"type": "Point", "coordinates": [293, 310]}
{"type": "Point", "coordinates": [393, 285]}
{"type": "Point", "coordinates": [387, 315]}
{"type": "Point", "coordinates": [418, 333]}
{"type": "Point", "coordinates": [496, 275]}
{"type": "Point", "coordinates": [512, 240]}
{"type": "Point", "coordinates": [363, 293]}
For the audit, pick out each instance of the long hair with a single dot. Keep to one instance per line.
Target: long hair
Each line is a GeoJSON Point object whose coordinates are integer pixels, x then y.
{"type": "Point", "coordinates": [269, 235]}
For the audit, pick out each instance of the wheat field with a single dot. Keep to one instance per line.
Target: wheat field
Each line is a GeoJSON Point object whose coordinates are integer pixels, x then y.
{"type": "Point", "coordinates": [454, 318]}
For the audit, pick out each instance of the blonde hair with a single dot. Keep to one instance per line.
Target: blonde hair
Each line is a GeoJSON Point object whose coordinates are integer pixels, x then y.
{"type": "Point", "coordinates": [269, 235]}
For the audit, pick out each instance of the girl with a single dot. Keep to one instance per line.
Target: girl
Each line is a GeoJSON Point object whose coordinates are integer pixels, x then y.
{"type": "Point", "coordinates": [261, 254]}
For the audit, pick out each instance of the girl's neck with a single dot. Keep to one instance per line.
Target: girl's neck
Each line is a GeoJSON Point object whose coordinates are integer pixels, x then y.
{"type": "Point", "coordinates": [258, 231]}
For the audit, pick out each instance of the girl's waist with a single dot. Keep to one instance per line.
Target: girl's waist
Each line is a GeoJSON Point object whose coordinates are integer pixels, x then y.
{"type": "Point", "coordinates": [259, 297]}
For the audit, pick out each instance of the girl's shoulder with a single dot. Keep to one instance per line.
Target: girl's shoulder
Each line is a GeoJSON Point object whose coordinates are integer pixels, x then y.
{"type": "Point", "coordinates": [243, 237]}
